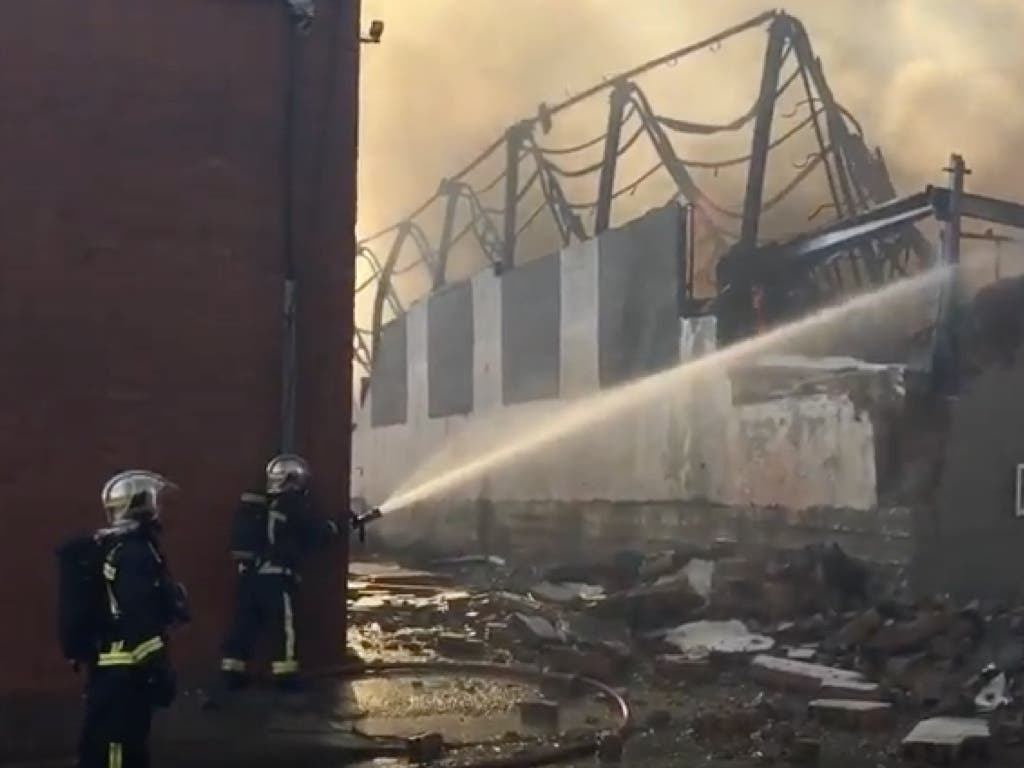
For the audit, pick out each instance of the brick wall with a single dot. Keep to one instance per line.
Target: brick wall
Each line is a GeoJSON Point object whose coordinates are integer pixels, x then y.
{"type": "Point", "coordinates": [141, 245]}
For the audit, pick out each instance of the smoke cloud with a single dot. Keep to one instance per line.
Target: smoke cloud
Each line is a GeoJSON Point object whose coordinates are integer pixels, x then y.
{"type": "Point", "coordinates": [924, 77]}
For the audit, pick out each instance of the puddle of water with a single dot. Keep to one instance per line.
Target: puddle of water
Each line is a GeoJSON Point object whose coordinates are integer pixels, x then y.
{"type": "Point", "coordinates": [463, 709]}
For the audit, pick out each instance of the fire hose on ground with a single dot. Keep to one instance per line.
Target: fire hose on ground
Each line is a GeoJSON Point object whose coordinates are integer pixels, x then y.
{"type": "Point", "coordinates": [582, 747]}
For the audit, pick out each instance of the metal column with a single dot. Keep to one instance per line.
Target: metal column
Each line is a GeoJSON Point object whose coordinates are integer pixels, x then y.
{"type": "Point", "coordinates": [754, 196]}
{"type": "Point", "coordinates": [513, 149]}
{"type": "Point", "coordinates": [452, 192]}
{"type": "Point", "coordinates": [606, 187]}
{"type": "Point", "coordinates": [946, 353]}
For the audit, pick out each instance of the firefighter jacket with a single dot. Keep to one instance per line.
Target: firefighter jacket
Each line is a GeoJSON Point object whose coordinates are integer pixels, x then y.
{"type": "Point", "coordinates": [272, 533]}
{"type": "Point", "coordinates": [142, 600]}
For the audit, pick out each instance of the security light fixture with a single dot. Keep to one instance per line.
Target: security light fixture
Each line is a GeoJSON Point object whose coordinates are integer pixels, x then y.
{"type": "Point", "coordinates": [376, 32]}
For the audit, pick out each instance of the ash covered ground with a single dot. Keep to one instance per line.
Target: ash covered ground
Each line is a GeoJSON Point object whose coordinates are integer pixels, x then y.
{"type": "Point", "coordinates": [809, 657]}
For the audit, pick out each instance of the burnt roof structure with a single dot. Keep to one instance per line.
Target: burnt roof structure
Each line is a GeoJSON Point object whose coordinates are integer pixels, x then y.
{"type": "Point", "coordinates": [872, 240]}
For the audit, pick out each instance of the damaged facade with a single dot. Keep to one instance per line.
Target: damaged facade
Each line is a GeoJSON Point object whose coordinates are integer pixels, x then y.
{"type": "Point", "coordinates": [787, 440]}
{"type": "Point", "coordinates": [867, 436]}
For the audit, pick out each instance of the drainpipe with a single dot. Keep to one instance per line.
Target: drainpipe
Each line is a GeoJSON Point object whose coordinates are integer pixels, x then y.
{"type": "Point", "coordinates": [289, 340]}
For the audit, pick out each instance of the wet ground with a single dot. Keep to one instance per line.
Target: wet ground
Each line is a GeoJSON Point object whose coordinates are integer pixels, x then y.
{"type": "Point", "coordinates": [720, 718]}
{"type": "Point", "coordinates": [479, 717]}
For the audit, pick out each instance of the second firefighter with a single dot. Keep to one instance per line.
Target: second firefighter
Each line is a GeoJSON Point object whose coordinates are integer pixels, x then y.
{"type": "Point", "coordinates": [271, 533]}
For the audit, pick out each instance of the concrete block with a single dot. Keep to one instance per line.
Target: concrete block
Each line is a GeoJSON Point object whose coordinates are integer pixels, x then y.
{"type": "Point", "coordinates": [862, 690]}
{"type": "Point", "coordinates": [851, 713]}
{"type": "Point", "coordinates": [946, 740]}
{"type": "Point", "coordinates": [801, 675]}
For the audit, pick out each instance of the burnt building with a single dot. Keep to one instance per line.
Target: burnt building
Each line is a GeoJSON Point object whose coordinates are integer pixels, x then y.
{"type": "Point", "coordinates": [167, 169]}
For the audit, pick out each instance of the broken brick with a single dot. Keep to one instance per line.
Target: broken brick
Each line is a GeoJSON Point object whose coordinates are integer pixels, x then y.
{"type": "Point", "coordinates": [849, 713]}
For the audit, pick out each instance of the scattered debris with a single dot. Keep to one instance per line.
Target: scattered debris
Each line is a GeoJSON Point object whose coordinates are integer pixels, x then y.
{"type": "Point", "coordinates": [567, 593]}
{"type": "Point", "coordinates": [756, 656]}
{"type": "Point", "coordinates": [993, 695]}
{"type": "Point", "coordinates": [802, 653]}
{"type": "Point", "coordinates": [700, 574]}
{"type": "Point", "coordinates": [535, 629]}
{"type": "Point", "coordinates": [800, 675]}
{"type": "Point", "coordinates": [717, 637]}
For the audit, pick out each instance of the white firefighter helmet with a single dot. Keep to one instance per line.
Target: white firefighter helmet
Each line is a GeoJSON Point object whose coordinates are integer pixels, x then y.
{"type": "Point", "coordinates": [134, 494]}
{"type": "Point", "coordinates": [287, 472]}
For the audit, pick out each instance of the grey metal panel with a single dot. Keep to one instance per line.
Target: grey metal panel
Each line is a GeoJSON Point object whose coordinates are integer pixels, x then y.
{"type": "Point", "coordinates": [389, 382]}
{"type": "Point", "coordinates": [640, 276]}
{"type": "Point", "coordinates": [450, 351]}
{"type": "Point", "coordinates": [531, 308]}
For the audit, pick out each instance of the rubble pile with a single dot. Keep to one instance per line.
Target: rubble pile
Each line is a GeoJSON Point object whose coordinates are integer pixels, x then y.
{"type": "Point", "coordinates": [756, 655]}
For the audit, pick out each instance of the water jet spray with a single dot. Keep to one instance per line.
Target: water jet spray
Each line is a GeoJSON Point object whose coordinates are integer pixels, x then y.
{"type": "Point", "coordinates": [578, 415]}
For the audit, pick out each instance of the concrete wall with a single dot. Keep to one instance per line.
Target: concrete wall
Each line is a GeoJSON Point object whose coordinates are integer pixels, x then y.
{"type": "Point", "coordinates": [141, 264]}
{"type": "Point", "coordinates": [971, 542]}
{"type": "Point", "coordinates": [681, 441]}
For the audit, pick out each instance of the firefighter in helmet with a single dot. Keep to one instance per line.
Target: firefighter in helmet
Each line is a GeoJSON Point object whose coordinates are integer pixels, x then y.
{"type": "Point", "coordinates": [130, 675]}
{"type": "Point", "coordinates": [272, 530]}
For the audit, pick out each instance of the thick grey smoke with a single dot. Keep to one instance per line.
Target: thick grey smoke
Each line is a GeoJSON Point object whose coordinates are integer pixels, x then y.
{"type": "Point", "coordinates": [925, 77]}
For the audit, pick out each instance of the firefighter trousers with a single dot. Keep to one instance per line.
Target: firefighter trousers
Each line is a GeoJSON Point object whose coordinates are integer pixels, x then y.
{"type": "Point", "coordinates": [263, 604]}
{"type": "Point", "coordinates": [118, 715]}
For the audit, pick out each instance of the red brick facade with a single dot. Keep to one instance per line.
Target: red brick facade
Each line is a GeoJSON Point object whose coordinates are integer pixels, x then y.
{"type": "Point", "coordinates": [141, 260]}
